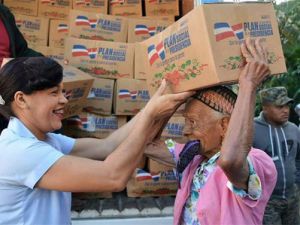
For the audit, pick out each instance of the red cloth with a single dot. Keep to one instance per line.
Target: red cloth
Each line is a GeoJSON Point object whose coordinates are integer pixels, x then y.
{"type": "Point", "coordinates": [4, 43]}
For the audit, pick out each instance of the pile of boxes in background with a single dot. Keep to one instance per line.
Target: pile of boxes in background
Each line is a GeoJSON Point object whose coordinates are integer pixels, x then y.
{"type": "Point", "coordinates": [127, 60]}
{"type": "Point", "coordinates": [97, 52]}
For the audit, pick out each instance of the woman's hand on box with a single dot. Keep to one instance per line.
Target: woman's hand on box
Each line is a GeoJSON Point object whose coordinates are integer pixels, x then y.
{"type": "Point", "coordinates": [163, 105]}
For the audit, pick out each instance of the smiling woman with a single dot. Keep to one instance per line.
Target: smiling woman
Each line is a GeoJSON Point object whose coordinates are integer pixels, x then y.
{"type": "Point", "coordinates": [36, 189]}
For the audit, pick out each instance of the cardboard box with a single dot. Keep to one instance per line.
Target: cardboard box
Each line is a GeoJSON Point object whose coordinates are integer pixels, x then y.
{"type": "Point", "coordinates": [156, 167]}
{"type": "Point", "coordinates": [102, 59]}
{"type": "Point", "coordinates": [164, 18]}
{"type": "Point", "coordinates": [51, 52]}
{"type": "Point", "coordinates": [130, 96]}
{"type": "Point", "coordinates": [203, 48]}
{"type": "Point", "coordinates": [96, 26]}
{"type": "Point", "coordinates": [77, 85]}
{"type": "Point", "coordinates": [59, 30]}
{"type": "Point", "coordinates": [187, 6]}
{"type": "Point", "coordinates": [54, 9]}
{"type": "Point", "coordinates": [145, 184]}
{"type": "Point", "coordinates": [92, 125]}
{"type": "Point", "coordinates": [96, 6]}
{"type": "Point", "coordinates": [142, 29]}
{"type": "Point", "coordinates": [23, 7]}
{"type": "Point", "coordinates": [140, 63]}
{"type": "Point", "coordinates": [174, 129]}
{"type": "Point", "coordinates": [162, 7]}
{"type": "Point", "coordinates": [34, 29]}
{"type": "Point", "coordinates": [127, 8]}
{"type": "Point", "coordinates": [100, 98]}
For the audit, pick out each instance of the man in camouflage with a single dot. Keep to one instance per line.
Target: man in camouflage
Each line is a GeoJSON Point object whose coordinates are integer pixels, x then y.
{"type": "Point", "coordinates": [280, 139]}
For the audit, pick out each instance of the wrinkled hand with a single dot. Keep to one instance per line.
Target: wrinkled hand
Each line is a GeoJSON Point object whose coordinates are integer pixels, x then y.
{"type": "Point", "coordinates": [256, 69]}
{"type": "Point", "coordinates": [164, 105]}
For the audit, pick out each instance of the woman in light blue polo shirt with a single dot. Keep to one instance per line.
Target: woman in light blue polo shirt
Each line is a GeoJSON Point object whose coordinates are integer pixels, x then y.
{"type": "Point", "coordinates": [39, 169]}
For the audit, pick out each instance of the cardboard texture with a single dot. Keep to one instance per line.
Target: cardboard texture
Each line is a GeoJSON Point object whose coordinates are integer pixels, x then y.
{"type": "Point", "coordinates": [100, 98]}
{"type": "Point", "coordinates": [24, 7]}
{"type": "Point", "coordinates": [92, 125]}
{"type": "Point", "coordinates": [156, 167]}
{"type": "Point", "coordinates": [59, 30]}
{"type": "Point", "coordinates": [164, 18]}
{"type": "Point", "coordinates": [77, 85]}
{"type": "Point", "coordinates": [128, 8]}
{"type": "Point", "coordinates": [130, 96]}
{"type": "Point", "coordinates": [145, 184]}
{"type": "Point", "coordinates": [34, 29]}
{"type": "Point", "coordinates": [96, 6]}
{"type": "Point", "coordinates": [96, 26]}
{"type": "Point", "coordinates": [54, 9]}
{"type": "Point", "coordinates": [142, 29]}
{"type": "Point", "coordinates": [203, 48]}
{"type": "Point", "coordinates": [187, 6]}
{"type": "Point", "coordinates": [102, 59]}
{"type": "Point", "coordinates": [174, 129]}
{"type": "Point", "coordinates": [140, 63]}
{"type": "Point", "coordinates": [51, 52]}
{"type": "Point", "coordinates": [162, 7]}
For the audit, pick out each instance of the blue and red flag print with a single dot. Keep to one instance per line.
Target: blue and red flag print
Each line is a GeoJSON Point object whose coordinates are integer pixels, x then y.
{"type": "Point", "coordinates": [92, 52]}
{"type": "Point", "coordinates": [125, 93]}
{"type": "Point", "coordinates": [156, 52]}
{"type": "Point", "coordinates": [116, 2]}
{"type": "Point", "coordinates": [142, 175]}
{"type": "Point", "coordinates": [79, 50]}
{"type": "Point", "coordinates": [141, 29]}
{"type": "Point", "coordinates": [62, 27]}
{"type": "Point", "coordinates": [224, 30]}
{"type": "Point", "coordinates": [85, 21]}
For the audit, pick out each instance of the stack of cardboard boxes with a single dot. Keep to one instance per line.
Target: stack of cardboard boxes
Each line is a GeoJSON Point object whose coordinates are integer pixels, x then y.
{"type": "Point", "coordinates": [127, 56]}
{"type": "Point", "coordinates": [100, 52]}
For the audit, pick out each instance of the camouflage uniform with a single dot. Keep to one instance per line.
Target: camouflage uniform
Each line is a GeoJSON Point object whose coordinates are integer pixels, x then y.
{"type": "Point", "coordinates": [282, 144]}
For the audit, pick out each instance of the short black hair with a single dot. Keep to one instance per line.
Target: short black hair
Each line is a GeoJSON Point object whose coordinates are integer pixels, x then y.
{"type": "Point", "coordinates": [27, 74]}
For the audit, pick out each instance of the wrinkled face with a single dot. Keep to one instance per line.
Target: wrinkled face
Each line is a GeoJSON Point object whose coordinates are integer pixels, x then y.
{"type": "Point", "coordinates": [204, 124]}
{"type": "Point", "coordinates": [276, 115]}
{"type": "Point", "coordinates": [43, 110]}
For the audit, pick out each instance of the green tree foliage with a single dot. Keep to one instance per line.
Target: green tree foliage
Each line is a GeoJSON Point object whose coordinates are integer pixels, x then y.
{"type": "Point", "coordinates": [288, 15]}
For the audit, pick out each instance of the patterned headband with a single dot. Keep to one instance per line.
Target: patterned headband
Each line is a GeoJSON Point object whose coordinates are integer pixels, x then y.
{"type": "Point", "coordinates": [219, 98]}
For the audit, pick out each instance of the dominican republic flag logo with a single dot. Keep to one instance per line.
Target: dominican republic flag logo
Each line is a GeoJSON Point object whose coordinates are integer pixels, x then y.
{"type": "Point", "coordinates": [92, 52]}
{"type": "Point", "coordinates": [142, 175]}
{"type": "Point", "coordinates": [141, 29]}
{"type": "Point", "coordinates": [116, 2]}
{"type": "Point", "coordinates": [83, 2]}
{"type": "Point", "coordinates": [62, 28]}
{"type": "Point", "coordinates": [19, 23]}
{"type": "Point", "coordinates": [79, 50]}
{"type": "Point", "coordinates": [125, 93]}
{"type": "Point", "coordinates": [78, 121]}
{"type": "Point", "coordinates": [156, 52]}
{"type": "Point", "coordinates": [223, 31]}
{"type": "Point", "coordinates": [52, 2]}
{"type": "Point", "coordinates": [152, 1]}
{"type": "Point", "coordinates": [85, 21]}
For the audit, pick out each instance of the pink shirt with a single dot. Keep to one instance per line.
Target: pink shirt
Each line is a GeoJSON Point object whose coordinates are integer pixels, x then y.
{"type": "Point", "coordinates": [217, 204]}
{"type": "Point", "coordinates": [4, 43]}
